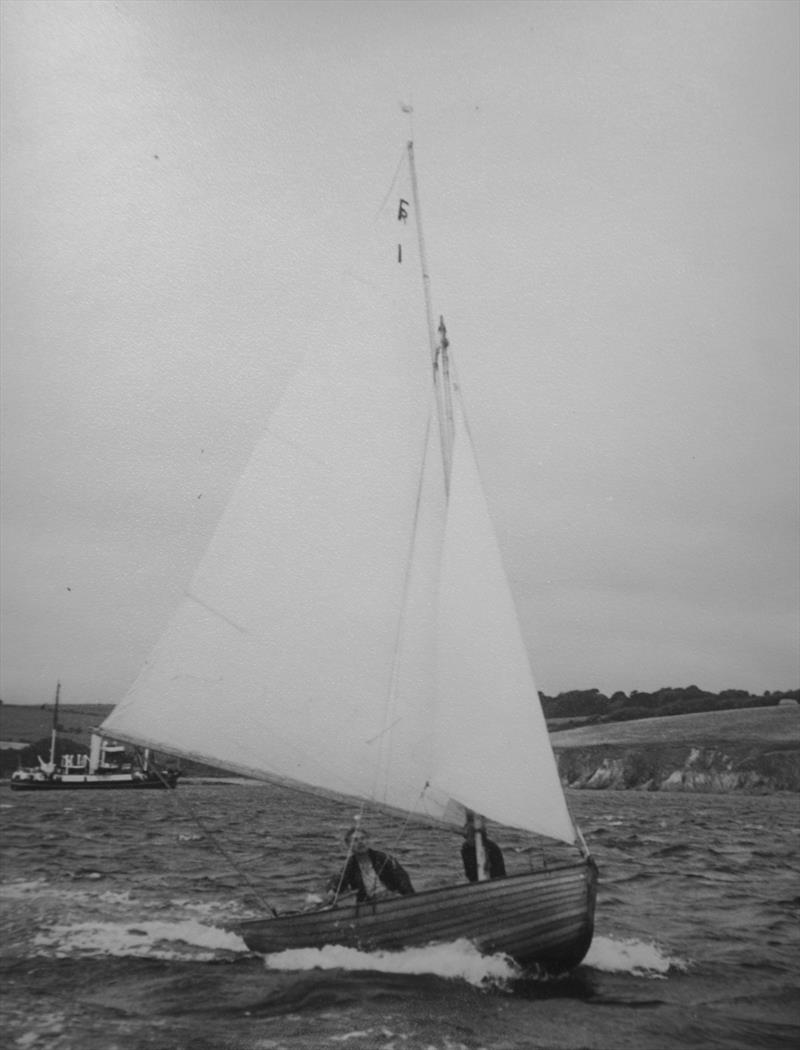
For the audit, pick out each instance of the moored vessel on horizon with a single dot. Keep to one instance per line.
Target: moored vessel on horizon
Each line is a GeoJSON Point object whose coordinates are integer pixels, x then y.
{"type": "Point", "coordinates": [106, 767]}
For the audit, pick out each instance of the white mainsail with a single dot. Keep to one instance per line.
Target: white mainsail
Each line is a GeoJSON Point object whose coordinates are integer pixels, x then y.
{"type": "Point", "coordinates": [350, 627]}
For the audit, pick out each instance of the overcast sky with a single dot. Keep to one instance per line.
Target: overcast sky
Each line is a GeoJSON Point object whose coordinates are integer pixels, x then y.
{"type": "Point", "coordinates": [610, 199]}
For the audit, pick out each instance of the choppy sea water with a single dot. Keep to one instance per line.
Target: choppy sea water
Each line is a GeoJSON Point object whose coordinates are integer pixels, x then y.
{"type": "Point", "coordinates": [118, 930]}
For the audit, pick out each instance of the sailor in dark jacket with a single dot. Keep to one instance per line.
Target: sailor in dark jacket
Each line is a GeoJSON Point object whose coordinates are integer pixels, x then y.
{"type": "Point", "coordinates": [494, 865]}
{"type": "Point", "coordinates": [367, 870]}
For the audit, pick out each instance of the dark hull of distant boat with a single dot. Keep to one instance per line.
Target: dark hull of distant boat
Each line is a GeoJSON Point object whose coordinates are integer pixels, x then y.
{"type": "Point", "coordinates": [543, 918]}
{"type": "Point", "coordinates": [94, 782]}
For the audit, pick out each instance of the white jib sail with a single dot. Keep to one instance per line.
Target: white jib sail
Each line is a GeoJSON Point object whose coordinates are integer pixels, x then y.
{"type": "Point", "coordinates": [493, 748]}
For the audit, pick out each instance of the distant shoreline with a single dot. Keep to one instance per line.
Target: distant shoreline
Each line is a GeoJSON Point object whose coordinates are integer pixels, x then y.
{"type": "Point", "coordinates": [753, 750]}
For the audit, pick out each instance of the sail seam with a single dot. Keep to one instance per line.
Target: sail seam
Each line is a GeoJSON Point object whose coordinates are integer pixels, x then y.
{"type": "Point", "coordinates": [300, 449]}
{"type": "Point", "coordinates": [215, 612]}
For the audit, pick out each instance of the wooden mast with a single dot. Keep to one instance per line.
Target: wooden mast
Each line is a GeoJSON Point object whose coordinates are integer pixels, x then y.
{"type": "Point", "coordinates": [440, 359]}
{"type": "Point", "coordinates": [439, 355]}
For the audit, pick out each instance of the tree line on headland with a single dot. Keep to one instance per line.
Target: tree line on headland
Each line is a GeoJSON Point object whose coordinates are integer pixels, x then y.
{"type": "Point", "coordinates": [31, 724]}
{"type": "Point", "coordinates": [590, 706]}
{"type": "Point", "coordinates": [587, 705]}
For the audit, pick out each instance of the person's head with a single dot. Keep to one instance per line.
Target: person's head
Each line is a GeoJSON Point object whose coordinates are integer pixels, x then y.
{"type": "Point", "coordinates": [357, 839]}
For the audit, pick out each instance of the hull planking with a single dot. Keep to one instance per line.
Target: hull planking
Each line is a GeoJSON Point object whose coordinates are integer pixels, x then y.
{"type": "Point", "coordinates": [543, 918]}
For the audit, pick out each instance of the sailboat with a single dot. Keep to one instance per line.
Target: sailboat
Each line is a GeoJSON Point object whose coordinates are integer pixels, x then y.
{"type": "Point", "coordinates": [350, 630]}
{"type": "Point", "coordinates": [106, 767]}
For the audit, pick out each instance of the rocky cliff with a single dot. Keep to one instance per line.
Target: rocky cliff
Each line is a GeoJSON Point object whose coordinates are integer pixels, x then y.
{"type": "Point", "coordinates": [675, 767]}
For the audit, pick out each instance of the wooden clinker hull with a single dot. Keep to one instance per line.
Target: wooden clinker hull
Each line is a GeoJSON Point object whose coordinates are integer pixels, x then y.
{"type": "Point", "coordinates": [543, 917]}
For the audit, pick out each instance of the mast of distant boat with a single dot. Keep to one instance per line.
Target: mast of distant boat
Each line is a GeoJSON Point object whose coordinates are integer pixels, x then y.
{"type": "Point", "coordinates": [54, 730]}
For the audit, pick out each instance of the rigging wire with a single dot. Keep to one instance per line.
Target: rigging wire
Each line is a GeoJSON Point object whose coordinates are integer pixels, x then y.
{"type": "Point", "coordinates": [217, 845]}
{"type": "Point", "coordinates": [357, 821]}
{"type": "Point", "coordinates": [409, 814]}
{"type": "Point", "coordinates": [391, 698]}
{"type": "Point", "coordinates": [391, 187]}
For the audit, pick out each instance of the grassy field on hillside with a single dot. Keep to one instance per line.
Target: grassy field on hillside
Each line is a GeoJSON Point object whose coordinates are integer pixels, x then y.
{"type": "Point", "coordinates": [776, 727]}
{"type": "Point", "coordinates": [21, 722]}
{"type": "Point", "coordinates": [759, 726]}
